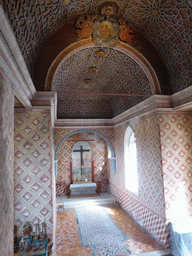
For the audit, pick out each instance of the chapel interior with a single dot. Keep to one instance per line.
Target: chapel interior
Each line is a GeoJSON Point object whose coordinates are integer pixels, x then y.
{"type": "Point", "coordinates": [82, 84]}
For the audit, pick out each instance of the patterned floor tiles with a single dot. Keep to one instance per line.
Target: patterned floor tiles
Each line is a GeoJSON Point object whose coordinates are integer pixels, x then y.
{"type": "Point", "coordinates": [69, 244]}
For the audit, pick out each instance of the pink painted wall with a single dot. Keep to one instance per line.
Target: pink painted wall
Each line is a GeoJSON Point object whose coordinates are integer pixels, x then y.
{"type": "Point", "coordinates": [33, 168]}
{"type": "Point", "coordinates": [98, 155]}
{"type": "Point", "coordinates": [148, 208]}
{"type": "Point", "coordinates": [6, 167]}
{"type": "Point", "coordinates": [176, 146]}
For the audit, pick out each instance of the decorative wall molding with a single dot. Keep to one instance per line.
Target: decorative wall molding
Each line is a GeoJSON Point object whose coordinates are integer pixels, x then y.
{"type": "Point", "coordinates": [145, 107]}
{"type": "Point", "coordinates": [13, 64]}
{"type": "Point", "coordinates": [181, 101]}
{"type": "Point", "coordinates": [45, 99]}
{"type": "Point", "coordinates": [83, 123]}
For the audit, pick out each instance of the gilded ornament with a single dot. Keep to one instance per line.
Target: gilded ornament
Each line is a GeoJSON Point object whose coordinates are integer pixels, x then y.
{"type": "Point", "coordinates": [87, 81]}
{"type": "Point", "coordinates": [108, 9]}
{"type": "Point", "coordinates": [100, 53]}
{"type": "Point", "coordinates": [105, 32]}
{"type": "Point", "coordinates": [174, 53]}
{"type": "Point", "coordinates": [106, 29]}
{"type": "Point", "coordinates": [93, 69]}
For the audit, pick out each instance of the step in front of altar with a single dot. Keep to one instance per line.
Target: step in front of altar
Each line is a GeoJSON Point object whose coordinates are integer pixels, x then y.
{"type": "Point", "coordinates": [83, 188]}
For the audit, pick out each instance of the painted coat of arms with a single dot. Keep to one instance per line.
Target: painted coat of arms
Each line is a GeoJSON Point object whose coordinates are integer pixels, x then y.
{"type": "Point", "coordinates": [104, 29]}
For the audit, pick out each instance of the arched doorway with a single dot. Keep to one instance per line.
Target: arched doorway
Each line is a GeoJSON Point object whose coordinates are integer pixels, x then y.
{"type": "Point", "coordinates": [102, 158]}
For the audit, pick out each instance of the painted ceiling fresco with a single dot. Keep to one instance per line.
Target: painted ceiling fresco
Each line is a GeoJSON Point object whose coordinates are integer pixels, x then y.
{"type": "Point", "coordinates": [166, 24]}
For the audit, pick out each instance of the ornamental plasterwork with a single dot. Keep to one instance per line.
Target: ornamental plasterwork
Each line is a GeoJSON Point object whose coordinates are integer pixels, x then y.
{"type": "Point", "coordinates": [165, 23]}
{"type": "Point", "coordinates": [104, 30]}
{"type": "Point", "coordinates": [108, 9]}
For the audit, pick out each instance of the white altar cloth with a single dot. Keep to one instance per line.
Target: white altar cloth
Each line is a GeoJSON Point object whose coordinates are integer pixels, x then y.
{"type": "Point", "coordinates": [83, 188]}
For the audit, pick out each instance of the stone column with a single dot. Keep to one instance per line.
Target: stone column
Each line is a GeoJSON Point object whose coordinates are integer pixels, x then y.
{"type": "Point", "coordinates": [6, 166]}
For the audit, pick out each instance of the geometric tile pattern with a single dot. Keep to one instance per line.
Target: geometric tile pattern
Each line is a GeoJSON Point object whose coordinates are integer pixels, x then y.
{"type": "Point", "coordinates": [149, 163]}
{"type": "Point", "coordinates": [149, 206]}
{"type": "Point", "coordinates": [70, 75]}
{"type": "Point", "coordinates": [94, 106]}
{"type": "Point", "coordinates": [149, 168]}
{"type": "Point", "coordinates": [98, 231]}
{"type": "Point", "coordinates": [33, 168]}
{"type": "Point", "coordinates": [69, 83]}
{"type": "Point", "coordinates": [68, 240]}
{"type": "Point", "coordinates": [98, 154]}
{"type": "Point", "coordinates": [148, 219]}
{"type": "Point", "coordinates": [176, 146]}
{"type": "Point", "coordinates": [166, 24]}
{"type": "Point", "coordinates": [7, 166]}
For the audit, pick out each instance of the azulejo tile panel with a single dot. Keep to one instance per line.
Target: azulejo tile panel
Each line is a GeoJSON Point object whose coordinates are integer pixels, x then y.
{"type": "Point", "coordinates": [33, 168]}
{"type": "Point", "coordinates": [148, 207]}
{"type": "Point", "coordinates": [99, 156]}
{"type": "Point", "coordinates": [154, 224]}
{"type": "Point", "coordinates": [146, 130]}
{"type": "Point", "coordinates": [176, 139]}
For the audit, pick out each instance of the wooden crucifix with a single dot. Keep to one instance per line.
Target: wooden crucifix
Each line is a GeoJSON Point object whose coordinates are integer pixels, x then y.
{"type": "Point", "coordinates": [81, 151]}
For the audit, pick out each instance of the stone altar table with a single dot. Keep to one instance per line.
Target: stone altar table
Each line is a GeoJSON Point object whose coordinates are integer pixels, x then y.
{"type": "Point", "coordinates": [83, 188]}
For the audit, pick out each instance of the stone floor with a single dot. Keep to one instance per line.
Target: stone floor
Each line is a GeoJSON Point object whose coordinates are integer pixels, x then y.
{"type": "Point", "coordinates": [68, 242]}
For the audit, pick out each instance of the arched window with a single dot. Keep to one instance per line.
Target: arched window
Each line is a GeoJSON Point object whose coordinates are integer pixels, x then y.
{"type": "Point", "coordinates": [130, 157]}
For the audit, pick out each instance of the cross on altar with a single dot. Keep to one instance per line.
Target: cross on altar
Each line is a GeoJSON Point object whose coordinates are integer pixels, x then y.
{"type": "Point", "coordinates": [81, 151]}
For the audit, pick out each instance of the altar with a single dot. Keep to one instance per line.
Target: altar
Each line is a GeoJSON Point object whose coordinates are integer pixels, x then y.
{"type": "Point", "coordinates": [83, 188]}
{"type": "Point", "coordinates": [82, 170]}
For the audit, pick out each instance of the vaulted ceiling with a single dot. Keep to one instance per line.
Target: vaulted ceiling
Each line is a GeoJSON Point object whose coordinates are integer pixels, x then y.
{"type": "Point", "coordinates": [163, 35]}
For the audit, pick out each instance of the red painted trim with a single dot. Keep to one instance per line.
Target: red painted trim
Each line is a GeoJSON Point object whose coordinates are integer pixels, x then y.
{"type": "Point", "coordinates": [92, 164]}
{"type": "Point", "coordinates": [71, 173]}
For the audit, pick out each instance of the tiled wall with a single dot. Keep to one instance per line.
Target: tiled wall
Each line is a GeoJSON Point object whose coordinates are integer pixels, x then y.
{"type": "Point", "coordinates": [6, 167]}
{"type": "Point", "coordinates": [176, 146]}
{"type": "Point", "coordinates": [99, 156]}
{"type": "Point", "coordinates": [33, 168]}
{"type": "Point", "coordinates": [148, 208]}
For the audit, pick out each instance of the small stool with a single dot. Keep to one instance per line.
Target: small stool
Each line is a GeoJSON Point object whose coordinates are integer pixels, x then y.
{"type": "Point", "coordinates": [60, 206]}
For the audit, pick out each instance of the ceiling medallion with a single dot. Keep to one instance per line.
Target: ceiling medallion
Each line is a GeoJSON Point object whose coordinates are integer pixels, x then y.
{"type": "Point", "coordinates": [87, 81]}
{"type": "Point", "coordinates": [104, 30]}
{"type": "Point", "coordinates": [100, 53]}
{"type": "Point", "coordinates": [93, 69]}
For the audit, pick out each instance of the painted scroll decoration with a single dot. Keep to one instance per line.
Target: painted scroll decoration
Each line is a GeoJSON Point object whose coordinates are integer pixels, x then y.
{"type": "Point", "coordinates": [105, 30]}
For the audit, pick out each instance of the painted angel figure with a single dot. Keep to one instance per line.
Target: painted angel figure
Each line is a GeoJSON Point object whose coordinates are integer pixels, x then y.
{"type": "Point", "coordinates": [84, 28]}
{"type": "Point", "coordinates": [126, 33]}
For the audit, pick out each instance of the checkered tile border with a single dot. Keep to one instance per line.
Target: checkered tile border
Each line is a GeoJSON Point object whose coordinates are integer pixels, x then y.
{"type": "Point", "coordinates": [154, 224]}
